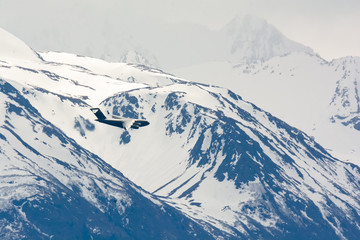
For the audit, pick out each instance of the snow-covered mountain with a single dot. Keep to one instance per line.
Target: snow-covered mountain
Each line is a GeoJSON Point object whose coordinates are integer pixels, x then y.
{"type": "Point", "coordinates": [244, 39]}
{"type": "Point", "coordinates": [319, 97]}
{"type": "Point", "coordinates": [227, 159]}
{"type": "Point", "coordinates": [53, 188]}
{"type": "Point", "coordinates": [345, 104]}
{"type": "Point", "coordinates": [230, 169]}
{"type": "Point", "coordinates": [253, 39]}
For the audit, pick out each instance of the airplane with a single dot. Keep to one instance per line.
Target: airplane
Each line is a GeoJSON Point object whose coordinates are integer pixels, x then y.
{"type": "Point", "coordinates": [116, 121]}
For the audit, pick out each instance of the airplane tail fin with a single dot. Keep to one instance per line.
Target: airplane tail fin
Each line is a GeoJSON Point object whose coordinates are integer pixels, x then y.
{"type": "Point", "coordinates": [98, 113]}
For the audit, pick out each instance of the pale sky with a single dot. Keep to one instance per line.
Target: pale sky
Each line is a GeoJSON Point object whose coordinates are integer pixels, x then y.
{"type": "Point", "coordinates": [330, 27]}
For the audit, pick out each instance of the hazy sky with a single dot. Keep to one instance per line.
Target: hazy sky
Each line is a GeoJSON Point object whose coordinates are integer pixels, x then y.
{"type": "Point", "coordinates": [330, 27]}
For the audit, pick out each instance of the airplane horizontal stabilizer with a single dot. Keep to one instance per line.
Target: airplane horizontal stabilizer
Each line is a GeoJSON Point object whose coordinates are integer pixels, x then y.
{"type": "Point", "coordinates": [98, 113]}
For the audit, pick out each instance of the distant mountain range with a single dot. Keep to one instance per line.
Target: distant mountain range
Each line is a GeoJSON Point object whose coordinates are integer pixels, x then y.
{"type": "Point", "coordinates": [159, 44]}
{"type": "Point", "coordinates": [209, 165]}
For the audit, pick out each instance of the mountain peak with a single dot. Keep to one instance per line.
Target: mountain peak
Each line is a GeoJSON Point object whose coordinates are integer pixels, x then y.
{"type": "Point", "coordinates": [255, 39]}
{"type": "Point", "coordinates": [13, 48]}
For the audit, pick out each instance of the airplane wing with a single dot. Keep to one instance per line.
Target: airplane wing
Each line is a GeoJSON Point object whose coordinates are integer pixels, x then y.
{"type": "Point", "coordinates": [134, 123]}
{"type": "Point", "coordinates": [128, 123]}
{"type": "Point", "coordinates": [140, 123]}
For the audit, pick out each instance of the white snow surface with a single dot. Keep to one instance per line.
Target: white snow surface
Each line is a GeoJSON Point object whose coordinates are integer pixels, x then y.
{"type": "Point", "coordinates": [13, 48]}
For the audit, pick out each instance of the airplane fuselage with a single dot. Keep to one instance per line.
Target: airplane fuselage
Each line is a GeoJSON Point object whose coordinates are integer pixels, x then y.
{"type": "Point", "coordinates": [125, 123]}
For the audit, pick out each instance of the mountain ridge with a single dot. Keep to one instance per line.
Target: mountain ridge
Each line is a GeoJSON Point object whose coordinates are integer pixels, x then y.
{"type": "Point", "coordinates": [315, 95]}
{"type": "Point", "coordinates": [12, 47]}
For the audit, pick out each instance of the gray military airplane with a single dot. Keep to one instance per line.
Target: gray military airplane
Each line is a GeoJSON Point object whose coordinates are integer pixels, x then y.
{"type": "Point", "coordinates": [116, 121]}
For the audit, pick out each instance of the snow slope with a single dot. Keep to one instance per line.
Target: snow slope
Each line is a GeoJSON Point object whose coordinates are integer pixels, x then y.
{"type": "Point", "coordinates": [317, 96]}
{"type": "Point", "coordinates": [13, 48]}
{"type": "Point", "coordinates": [225, 158]}
{"type": "Point", "coordinates": [217, 158]}
{"type": "Point", "coordinates": [53, 188]}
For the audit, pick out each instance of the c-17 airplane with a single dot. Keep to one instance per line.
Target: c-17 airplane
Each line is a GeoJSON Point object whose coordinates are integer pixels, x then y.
{"type": "Point", "coordinates": [116, 121]}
